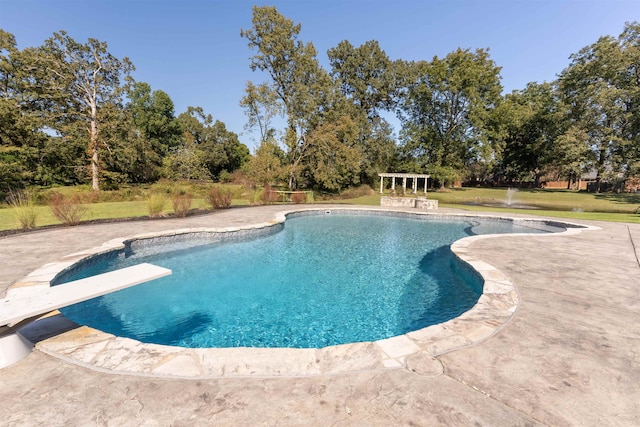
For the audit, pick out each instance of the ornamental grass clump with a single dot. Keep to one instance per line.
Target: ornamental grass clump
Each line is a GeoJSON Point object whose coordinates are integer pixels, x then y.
{"type": "Point", "coordinates": [269, 195]}
{"type": "Point", "coordinates": [68, 210]}
{"type": "Point", "coordinates": [24, 209]}
{"type": "Point", "coordinates": [155, 204]}
{"type": "Point", "coordinates": [181, 204]}
{"type": "Point", "coordinates": [219, 198]}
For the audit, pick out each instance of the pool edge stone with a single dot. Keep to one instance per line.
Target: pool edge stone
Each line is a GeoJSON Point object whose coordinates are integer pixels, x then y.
{"type": "Point", "coordinates": [105, 352]}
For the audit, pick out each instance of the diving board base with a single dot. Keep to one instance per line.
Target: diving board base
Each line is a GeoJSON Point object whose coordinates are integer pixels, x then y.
{"type": "Point", "coordinates": [13, 347]}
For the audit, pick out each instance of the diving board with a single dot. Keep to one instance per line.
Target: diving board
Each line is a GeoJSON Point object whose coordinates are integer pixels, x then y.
{"type": "Point", "coordinates": [25, 303]}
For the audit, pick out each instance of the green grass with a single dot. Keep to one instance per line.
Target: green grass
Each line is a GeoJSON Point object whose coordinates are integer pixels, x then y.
{"type": "Point", "coordinates": [553, 203]}
{"type": "Point", "coordinates": [96, 211]}
{"type": "Point", "coordinates": [555, 200]}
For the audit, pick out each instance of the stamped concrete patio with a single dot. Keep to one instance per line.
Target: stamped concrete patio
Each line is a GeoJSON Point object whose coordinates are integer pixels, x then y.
{"type": "Point", "coordinates": [569, 356]}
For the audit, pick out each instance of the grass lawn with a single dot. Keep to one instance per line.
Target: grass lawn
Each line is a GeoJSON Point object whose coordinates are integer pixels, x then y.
{"type": "Point", "coordinates": [561, 200]}
{"type": "Point", "coordinates": [105, 210]}
{"type": "Point", "coordinates": [555, 203]}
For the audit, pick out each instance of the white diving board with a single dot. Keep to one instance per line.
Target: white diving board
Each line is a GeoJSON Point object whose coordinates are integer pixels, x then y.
{"type": "Point", "coordinates": [26, 304]}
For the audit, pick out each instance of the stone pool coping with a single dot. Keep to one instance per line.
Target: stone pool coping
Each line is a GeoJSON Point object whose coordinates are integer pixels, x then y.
{"type": "Point", "coordinates": [415, 350]}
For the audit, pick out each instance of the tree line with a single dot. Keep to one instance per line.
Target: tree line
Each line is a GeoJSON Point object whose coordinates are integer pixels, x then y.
{"type": "Point", "coordinates": [455, 123]}
{"type": "Point", "coordinates": [71, 112]}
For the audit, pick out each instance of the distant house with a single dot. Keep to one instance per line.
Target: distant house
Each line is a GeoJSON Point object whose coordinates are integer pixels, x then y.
{"type": "Point", "coordinates": [632, 185]}
{"type": "Point", "coordinates": [589, 182]}
{"type": "Point", "coordinates": [581, 183]}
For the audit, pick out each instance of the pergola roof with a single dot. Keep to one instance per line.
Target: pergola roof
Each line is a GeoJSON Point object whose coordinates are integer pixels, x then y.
{"type": "Point", "coordinates": [403, 175]}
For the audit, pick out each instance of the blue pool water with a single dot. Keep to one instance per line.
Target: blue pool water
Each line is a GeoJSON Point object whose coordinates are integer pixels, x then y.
{"type": "Point", "coordinates": [322, 280]}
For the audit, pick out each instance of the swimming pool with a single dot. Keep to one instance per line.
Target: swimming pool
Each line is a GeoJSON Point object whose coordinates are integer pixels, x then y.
{"type": "Point", "coordinates": [319, 280]}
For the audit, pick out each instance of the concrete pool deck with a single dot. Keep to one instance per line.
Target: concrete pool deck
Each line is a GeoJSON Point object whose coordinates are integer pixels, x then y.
{"type": "Point", "coordinates": [569, 356]}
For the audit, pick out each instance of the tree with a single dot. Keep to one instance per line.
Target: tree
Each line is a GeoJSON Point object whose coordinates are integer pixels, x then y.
{"type": "Point", "coordinates": [298, 81]}
{"type": "Point", "coordinates": [536, 122]}
{"type": "Point", "coordinates": [572, 154]}
{"type": "Point", "coordinates": [82, 78]}
{"type": "Point", "coordinates": [265, 166]}
{"type": "Point", "coordinates": [156, 130]}
{"type": "Point", "coordinates": [8, 67]}
{"type": "Point", "coordinates": [365, 74]}
{"type": "Point", "coordinates": [334, 157]}
{"type": "Point", "coordinates": [19, 143]}
{"type": "Point", "coordinates": [367, 77]}
{"type": "Point", "coordinates": [444, 111]}
{"type": "Point", "coordinates": [210, 143]}
{"type": "Point", "coordinates": [261, 106]}
{"type": "Point", "coordinates": [20, 134]}
{"type": "Point", "coordinates": [601, 86]}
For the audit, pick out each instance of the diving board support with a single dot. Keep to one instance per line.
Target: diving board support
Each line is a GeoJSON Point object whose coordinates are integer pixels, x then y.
{"type": "Point", "coordinates": [24, 304]}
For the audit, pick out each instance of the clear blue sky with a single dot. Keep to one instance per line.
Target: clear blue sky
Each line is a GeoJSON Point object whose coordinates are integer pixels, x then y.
{"type": "Point", "coordinates": [192, 49]}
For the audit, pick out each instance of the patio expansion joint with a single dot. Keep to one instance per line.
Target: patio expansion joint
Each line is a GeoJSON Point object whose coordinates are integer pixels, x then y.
{"type": "Point", "coordinates": [488, 394]}
{"type": "Point", "coordinates": [636, 249]}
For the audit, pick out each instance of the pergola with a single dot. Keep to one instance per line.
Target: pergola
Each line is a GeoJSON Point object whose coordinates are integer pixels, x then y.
{"type": "Point", "coordinates": [414, 176]}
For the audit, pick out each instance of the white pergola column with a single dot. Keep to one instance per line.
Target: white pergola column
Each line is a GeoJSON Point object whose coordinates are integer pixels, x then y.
{"type": "Point", "coordinates": [405, 176]}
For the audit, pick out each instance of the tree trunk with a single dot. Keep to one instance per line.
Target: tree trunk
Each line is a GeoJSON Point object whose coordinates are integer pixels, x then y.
{"type": "Point", "coordinates": [93, 144]}
{"type": "Point", "coordinates": [292, 181]}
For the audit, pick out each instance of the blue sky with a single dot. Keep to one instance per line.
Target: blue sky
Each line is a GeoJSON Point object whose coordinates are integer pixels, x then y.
{"type": "Point", "coordinates": [192, 49]}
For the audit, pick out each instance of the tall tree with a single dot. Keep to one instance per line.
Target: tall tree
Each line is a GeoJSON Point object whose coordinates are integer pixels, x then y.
{"type": "Point", "coordinates": [266, 165]}
{"type": "Point", "coordinates": [445, 109]}
{"type": "Point", "coordinates": [334, 156]}
{"type": "Point", "coordinates": [261, 106]}
{"type": "Point", "coordinates": [367, 77]}
{"type": "Point", "coordinates": [365, 74]}
{"type": "Point", "coordinates": [156, 129]}
{"type": "Point", "coordinates": [298, 81]}
{"type": "Point", "coordinates": [18, 130]}
{"type": "Point", "coordinates": [536, 122]}
{"type": "Point", "coordinates": [207, 148]}
{"type": "Point", "coordinates": [602, 88]}
{"type": "Point", "coordinates": [81, 80]}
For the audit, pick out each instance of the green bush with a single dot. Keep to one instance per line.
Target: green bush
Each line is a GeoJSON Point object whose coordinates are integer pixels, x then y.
{"type": "Point", "coordinates": [225, 177]}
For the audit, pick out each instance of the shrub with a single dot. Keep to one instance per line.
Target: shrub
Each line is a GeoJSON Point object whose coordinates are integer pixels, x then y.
{"type": "Point", "coordinates": [68, 210]}
{"type": "Point", "coordinates": [219, 198]}
{"type": "Point", "coordinates": [181, 204]}
{"type": "Point", "coordinates": [240, 178]}
{"type": "Point", "coordinates": [225, 177]}
{"type": "Point", "coordinates": [299, 197]}
{"type": "Point", "coordinates": [269, 195]}
{"type": "Point", "coordinates": [252, 194]}
{"type": "Point", "coordinates": [155, 204]}
{"type": "Point", "coordinates": [24, 209]}
{"type": "Point", "coordinates": [355, 192]}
